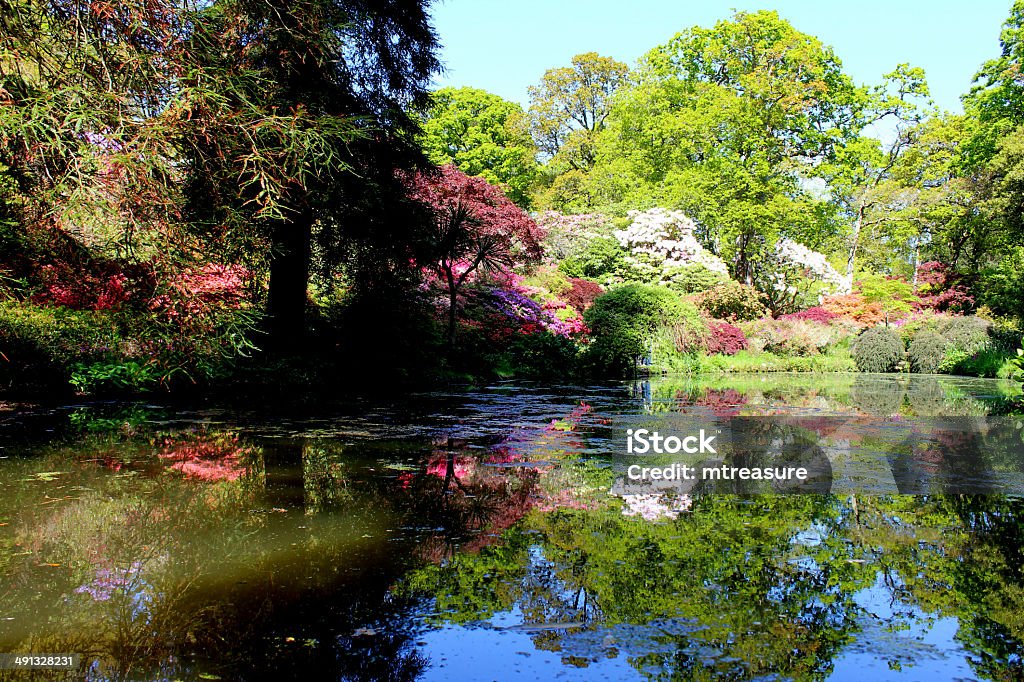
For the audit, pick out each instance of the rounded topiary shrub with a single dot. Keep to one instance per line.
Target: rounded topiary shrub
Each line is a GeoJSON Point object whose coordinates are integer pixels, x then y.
{"type": "Point", "coordinates": [926, 352]}
{"type": "Point", "coordinates": [967, 333]}
{"type": "Point", "coordinates": [879, 349]}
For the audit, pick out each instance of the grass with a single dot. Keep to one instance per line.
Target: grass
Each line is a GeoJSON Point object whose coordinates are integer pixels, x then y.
{"type": "Point", "coordinates": [837, 360]}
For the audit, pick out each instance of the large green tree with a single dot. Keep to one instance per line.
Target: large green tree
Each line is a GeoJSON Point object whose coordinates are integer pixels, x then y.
{"type": "Point", "coordinates": [482, 135]}
{"type": "Point", "coordinates": [729, 123]}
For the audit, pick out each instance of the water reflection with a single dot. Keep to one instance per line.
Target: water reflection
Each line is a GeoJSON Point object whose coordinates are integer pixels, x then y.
{"type": "Point", "coordinates": [484, 538]}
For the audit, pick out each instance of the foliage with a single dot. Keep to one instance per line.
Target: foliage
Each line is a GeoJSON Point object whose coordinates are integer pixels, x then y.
{"type": "Point", "coordinates": [893, 295]}
{"type": "Point", "coordinates": [942, 289]}
{"type": "Point", "coordinates": [625, 321]}
{"type": "Point", "coordinates": [570, 106]}
{"type": "Point", "coordinates": [732, 301]}
{"type": "Point", "coordinates": [724, 338]}
{"type": "Point", "coordinates": [482, 135]}
{"type": "Point", "coordinates": [40, 344]}
{"type": "Point", "coordinates": [693, 279]}
{"type": "Point", "coordinates": [968, 334]}
{"type": "Point", "coordinates": [598, 259]}
{"type": "Point", "coordinates": [813, 314]}
{"type": "Point", "coordinates": [658, 241]}
{"type": "Point", "coordinates": [926, 352]}
{"type": "Point", "coordinates": [989, 361]}
{"type": "Point", "coordinates": [476, 229]}
{"type": "Point", "coordinates": [1002, 285]}
{"type": "Point", "coordinates": [796, 338]}
{"type": "Point", "coordinates": [878, 349]}
{"type": "Point", "coordinates": [854, 308]}
{"type": "Point", "coordinates": [749, 361]}
{"type": "Point", "coordinates": [583, 293]}
{"type": "Point", "coordinates": [567, 234]}
{"type": "Point", "coordinates": [722, 122]}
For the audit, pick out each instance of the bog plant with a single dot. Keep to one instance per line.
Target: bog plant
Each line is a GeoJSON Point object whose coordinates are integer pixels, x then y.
{"type": "Point", "coordinates": [879, 349]}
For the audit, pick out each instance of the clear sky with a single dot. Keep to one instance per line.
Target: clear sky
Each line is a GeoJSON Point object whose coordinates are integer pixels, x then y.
{"type": "Point", "coordinates": [504, 46]}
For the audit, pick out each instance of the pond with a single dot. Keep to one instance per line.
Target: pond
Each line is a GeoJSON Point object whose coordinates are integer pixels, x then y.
{"type": "Point", "coordinates": [486, 534]}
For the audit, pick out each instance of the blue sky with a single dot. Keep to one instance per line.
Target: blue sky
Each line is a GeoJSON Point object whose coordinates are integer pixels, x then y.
{"type": "Point", "coordinates": [504, 46]}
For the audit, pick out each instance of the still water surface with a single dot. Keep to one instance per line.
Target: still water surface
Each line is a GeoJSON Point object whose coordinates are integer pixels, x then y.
{"type": "Point", "coordinates": [473, 534]}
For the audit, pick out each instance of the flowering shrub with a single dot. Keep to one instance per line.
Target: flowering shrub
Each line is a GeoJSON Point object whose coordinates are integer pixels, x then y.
{"type": "Point", "coordinates": [566, 234]}
{"type": "Point", "coordinates": [515, 304]}
{"type": "Point", "coordinates": [724, 338]}
{"type": "Point", "coordinates": [732, 301]}
{"type": "Point", "coordinates": [663, 239]}
{"type": "Point", "coordinates": [81, 289]}
{"type": "Point", "coordinates": [940, 288]}
{"type": "Point", "coordinates": [808, 263]}
{"type": "Point", "coordinates": [815, 314]}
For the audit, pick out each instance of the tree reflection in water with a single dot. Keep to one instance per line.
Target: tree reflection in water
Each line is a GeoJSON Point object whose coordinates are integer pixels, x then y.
{"type": "Point", "coordinates": [333, 558]}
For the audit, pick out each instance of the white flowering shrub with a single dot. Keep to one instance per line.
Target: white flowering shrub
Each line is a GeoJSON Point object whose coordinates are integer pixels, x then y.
{"type": "Point", "coordinates": [810, 264]}
{"type": "Point", "coordinates": [659, 241]}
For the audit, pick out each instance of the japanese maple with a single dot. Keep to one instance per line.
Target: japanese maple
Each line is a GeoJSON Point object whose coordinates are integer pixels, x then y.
{"type": "Point", "coordinates": [476, 229]}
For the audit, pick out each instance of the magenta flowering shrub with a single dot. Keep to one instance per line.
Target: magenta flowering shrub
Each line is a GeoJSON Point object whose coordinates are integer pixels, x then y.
{"type": "Point", "coordinates": [515, 304]}
{"type": "Point", "coordinates": [815, 314]}
{"type": "Point", "coordinates": [724, 338]}
{"type": "Point", "coordinates": [71, 287]}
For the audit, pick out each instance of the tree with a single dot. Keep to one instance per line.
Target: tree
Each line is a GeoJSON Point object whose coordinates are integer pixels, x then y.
{"type": "Point", "coordinates": [871, 183]}
{"type": "Point", "coordinates": [296, 115]}
{"type": "Point", "coordinates": [726, 123]}
{"type": "Point", "coordinates": [482, 135]}
{"type": "Point", "coordinates": [571, 105]}
{"type": "Point", "coordinates": [475, 229]}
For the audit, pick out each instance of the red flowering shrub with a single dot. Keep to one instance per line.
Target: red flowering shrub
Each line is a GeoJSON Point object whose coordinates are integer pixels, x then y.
{"type": "Point", "coordinates": [583, 293]}
{"type": "Point", "coordinates": [815, 314]}
{"type": "Point", "coordinates": [942, 289]}
{"type": "Point", "coordinates": [724, 338]}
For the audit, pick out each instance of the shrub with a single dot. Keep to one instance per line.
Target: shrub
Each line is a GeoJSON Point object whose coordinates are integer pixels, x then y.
{"type": "Point", "coordinates": [854, 308]}
{"type": "Point", "coordinates": [968, 334]}
{"type": "Point", "coordinates": [941, 288]}
{"type": "Point", "coordinates": [879, 349]}
{"type": "Point", "coordinates": [693, 279]}
{"type": "Point", "coordinates": [724, 338]}
{"type": "Point", "coordinates": [601, 256]}
{"type": "Point", "coordinates": [732, 301]}
{"type": "Point", "coordinates": [583, 293]}
{"type": "Point", "coordinates": [895, 296]}
{"type": "Point", "coordinates": [926, 352]}
{"type": "Point", "coordinates": [40, 344]}
{"type": "Point", "coordinates": [797, 338]}
{"type": "Point", "coordinates": [815, 314]}
{"type": "Point", "coordinates": [625, 322]}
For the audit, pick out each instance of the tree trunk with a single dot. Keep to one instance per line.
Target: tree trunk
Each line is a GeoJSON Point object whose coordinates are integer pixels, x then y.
{"type": "Point", "coordinates": [452, 314]}
{"type": "Point", "coordinates": [857, 226]}
{"type": "Point", "coordinates": [289, 279]}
